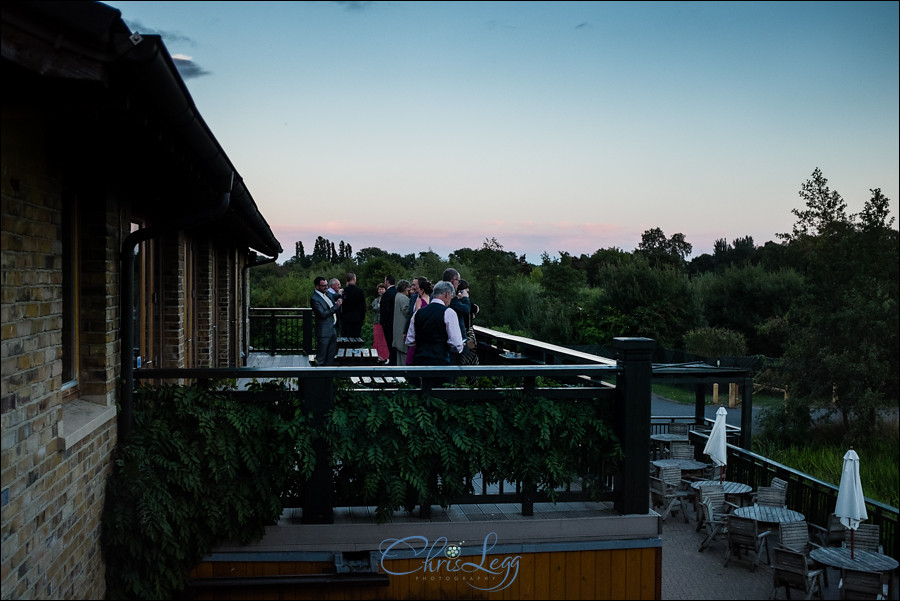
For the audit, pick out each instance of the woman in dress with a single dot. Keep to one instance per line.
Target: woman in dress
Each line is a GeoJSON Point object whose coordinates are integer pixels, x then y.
{"type": "Point", "coordinates": [377, 333]}
{"type": "Point", "coordinates": [425, 290]}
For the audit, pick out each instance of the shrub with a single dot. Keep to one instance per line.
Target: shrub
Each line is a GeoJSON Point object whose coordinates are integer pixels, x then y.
{"type": "Point", "coordinates": [198, 468]}
{"type": "Point", "coordinates": [715, 342]}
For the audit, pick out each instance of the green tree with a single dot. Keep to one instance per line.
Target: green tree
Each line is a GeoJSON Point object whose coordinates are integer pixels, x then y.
{"type": "Point", "coordinates": [637, 299]}
{"type": "Point", "coordinates": [661, 251]}
{"type": "Point", "coordinates": [842, 348]}
{"type": "Point", "coordinates": [744, 298]}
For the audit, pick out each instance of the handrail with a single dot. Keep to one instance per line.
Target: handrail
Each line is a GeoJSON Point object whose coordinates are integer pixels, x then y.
{"type": "Point", "coordinates": [812, 497]}
{"type": "Point", "coordinates": [215, 373]}
{"type": "Point", "coordinates": [628, 401]}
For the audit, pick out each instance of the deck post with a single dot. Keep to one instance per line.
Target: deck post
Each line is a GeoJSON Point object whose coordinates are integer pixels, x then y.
{"type": "Point", "coordinates": [746, 413]}
{"type": "Point", "coordinates": [272, 333]}
{"type": "Point", "coordinates": [307, 332]}
{"type": "Point", "coordinates": [317, 496]}
{"type": "Point", "coordinates": [632, 486]}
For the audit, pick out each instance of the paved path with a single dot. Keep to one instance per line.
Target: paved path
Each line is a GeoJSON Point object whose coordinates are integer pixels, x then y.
{"type": "Point", "coordinates": [689, 574]}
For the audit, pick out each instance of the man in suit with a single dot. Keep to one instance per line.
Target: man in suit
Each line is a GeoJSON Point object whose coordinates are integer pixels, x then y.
{"type": "Point", "coordinates": [353, 310]}
{"type": "Point", "coordinates": [387, 316]}
{"type": "Point", "coordinates": [325, 311]}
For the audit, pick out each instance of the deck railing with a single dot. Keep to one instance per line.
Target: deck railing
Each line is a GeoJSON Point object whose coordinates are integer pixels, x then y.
{"type": "Point", "coordinates": [621, 389]}
{"type": "Point", "coordinates": [282, 330]}
{"type": "Point", "coordinates": [813, 498]}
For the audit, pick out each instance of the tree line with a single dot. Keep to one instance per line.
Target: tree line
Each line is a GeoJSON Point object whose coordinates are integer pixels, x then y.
{"type": "Point", "coordinates": [822, 301]}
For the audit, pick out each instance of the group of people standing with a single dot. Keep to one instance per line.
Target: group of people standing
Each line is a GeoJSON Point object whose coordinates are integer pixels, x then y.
{"type": "Point", "coordinates": [339, 312]}
{"type": "Point", "coordinates": [415, 323]}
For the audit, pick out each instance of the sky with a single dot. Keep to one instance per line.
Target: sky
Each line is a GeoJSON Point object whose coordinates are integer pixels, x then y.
{"type": "Point", "coordinates": [548, 126]}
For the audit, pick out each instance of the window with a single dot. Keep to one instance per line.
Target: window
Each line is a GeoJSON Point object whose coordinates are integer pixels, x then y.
{"type": "Point", "coordinates": [70, 281]}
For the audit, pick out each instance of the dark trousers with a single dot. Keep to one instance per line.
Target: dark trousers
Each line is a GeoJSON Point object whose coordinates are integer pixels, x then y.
{"type": "Point", "coordinates": [326, 350]}
{"type": "Point", "coordinates": [353, 329]}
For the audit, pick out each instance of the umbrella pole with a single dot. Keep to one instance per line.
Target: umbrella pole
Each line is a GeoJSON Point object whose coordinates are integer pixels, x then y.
{"type": "Point", "coordinates": [721, 474]}
{"type": "Point", "coordinates": [852, 532]}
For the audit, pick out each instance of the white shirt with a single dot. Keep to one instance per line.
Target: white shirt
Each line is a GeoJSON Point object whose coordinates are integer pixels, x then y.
{"type": "Point", "coordinates": [451, 321]}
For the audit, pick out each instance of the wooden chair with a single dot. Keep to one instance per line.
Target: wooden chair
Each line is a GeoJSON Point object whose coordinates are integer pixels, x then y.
{"type": "Point", "coordinates": [715, 493]}
{"type": "Point", "coordinates": [776, 483]}
{"type": "Point", "coordinates": [862, 585]}
{"type": "Point", "coordinates": [771, 496]}
{"type": "Point", "coordinates": [678, 428]}
{"type": "Point", "coordinates": [714, 523]}
{"type": "Point", "coordinates": [795, 537]}
{"type": "Point", "coordinates": [744, 535]}
{"type": "Point", "coordinates": [681, 451]}
{"type": "Point", "coordinates": [666, 491]}
{"type": "Point", "coordinates": [867, 537]}
{"type": "Point", "coordinates": [791, 570]}
{"type": "Point", "coordinates": [672, 475]}
{"type": "Point", "coordinates": [832, 534]}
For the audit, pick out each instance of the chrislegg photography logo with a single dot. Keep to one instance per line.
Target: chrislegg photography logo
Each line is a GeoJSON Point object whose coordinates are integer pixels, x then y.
{"type": "Point", "coordinates": [442, 561]}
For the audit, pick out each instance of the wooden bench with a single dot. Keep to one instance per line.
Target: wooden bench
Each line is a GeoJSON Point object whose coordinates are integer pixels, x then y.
{"type": "Point", "coordinates": [356, 356]}
{"type": "Point", "coordinates": [344, 342]}
{"type": "Point", "coordinates": [378, 382]}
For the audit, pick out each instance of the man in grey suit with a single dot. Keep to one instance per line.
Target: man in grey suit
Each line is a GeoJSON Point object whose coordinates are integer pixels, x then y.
{"type": "Point", "coordinates": [326, 334]}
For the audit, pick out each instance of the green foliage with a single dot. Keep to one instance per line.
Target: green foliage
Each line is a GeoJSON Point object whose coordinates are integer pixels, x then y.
{"type": "Point", "coordinates": [546, 443]}
{"type": "Point", "coordinates": [527, 310]}
{"type": "Point", "coordinates": [715, 342]}
{"type": "Point", "coordinates": [198, 468]}
{"type": "Point", "coordinates": [398, 451]}
{"type": "Point", "coordinates": [746, 298]}
{"type": "Point", "coordinates": [786, 422]}
{"type": "Point", "coordinates": [842, 347]}
{"type": "Point", "coordinates": [657, 303]}
{"type": "Point", "coordinates": [821, 456]}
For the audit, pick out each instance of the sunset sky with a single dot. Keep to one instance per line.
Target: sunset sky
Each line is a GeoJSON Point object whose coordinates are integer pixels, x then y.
{"type": "Point", "coordinates": [550, 126]}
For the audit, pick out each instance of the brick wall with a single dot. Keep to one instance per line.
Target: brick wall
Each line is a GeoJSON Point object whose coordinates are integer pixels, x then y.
{"type": "Point", "coordinates": [224, 309]}
{"type": "Point", "coordinates": [205, 299]}
{"type": "Point", "coordinates": [52, 497]}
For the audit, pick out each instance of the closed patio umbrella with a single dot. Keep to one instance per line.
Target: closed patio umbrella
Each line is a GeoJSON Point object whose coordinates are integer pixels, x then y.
{"type": "Point", "coordinates": [715, 445]}
{"type": "Point", "coordinates": [851, 504]}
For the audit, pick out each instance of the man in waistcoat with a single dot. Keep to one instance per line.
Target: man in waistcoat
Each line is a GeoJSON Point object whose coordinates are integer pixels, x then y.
{"type": "Point", "coordinates": [434, 329]}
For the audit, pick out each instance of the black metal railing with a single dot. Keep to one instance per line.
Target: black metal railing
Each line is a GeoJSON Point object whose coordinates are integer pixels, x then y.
{"type": "Point", "coordinates": [282, 330]}
{"type": "Point", "coordinates": [813, 498]}
{"type": "Point", "coordinates": [627, 405]}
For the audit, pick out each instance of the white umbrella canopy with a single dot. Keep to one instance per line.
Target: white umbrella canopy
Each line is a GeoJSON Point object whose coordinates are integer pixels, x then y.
{"type": "Point", "coordinates": [715, 445]}
{"type": "Point", "coordinates": [851, 504]}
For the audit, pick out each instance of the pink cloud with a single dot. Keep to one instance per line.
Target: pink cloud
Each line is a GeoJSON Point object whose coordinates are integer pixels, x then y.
{"type": "Point", "coordinates": [530, 237]}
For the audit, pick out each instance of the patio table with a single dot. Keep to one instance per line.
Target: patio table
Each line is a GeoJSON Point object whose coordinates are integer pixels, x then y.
{"type": "Point", "coordinates": [731, 488]}
{"type": "Point", "coordinates": [686, 465]}
{"type": "Point", "coordinates": [768, 514]}
{"type": "Point", "coordinates": [864, 561]}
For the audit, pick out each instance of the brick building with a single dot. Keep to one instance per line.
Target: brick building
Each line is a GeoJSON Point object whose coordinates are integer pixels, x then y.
{"type": "Point", "coordinates": [115, 194]}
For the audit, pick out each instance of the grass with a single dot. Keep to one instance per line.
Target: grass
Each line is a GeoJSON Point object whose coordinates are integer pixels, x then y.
{"type": "Point", "coordinates": [823, 458]}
